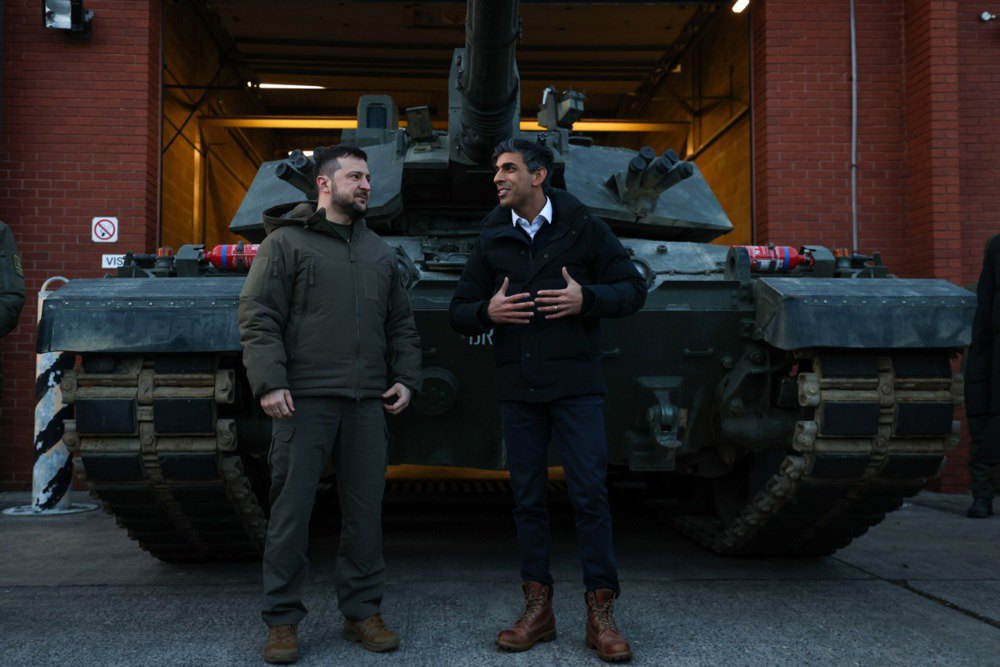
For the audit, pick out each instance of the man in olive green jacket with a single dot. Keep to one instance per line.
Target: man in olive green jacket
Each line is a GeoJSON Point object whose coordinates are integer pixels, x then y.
{"type": "Point", "coordinates": [11, 285]}
{"type": "Point", "coordinates": [329, 341]}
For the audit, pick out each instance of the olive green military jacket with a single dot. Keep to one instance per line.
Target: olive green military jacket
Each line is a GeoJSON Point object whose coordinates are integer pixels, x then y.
{"type": "Point", "coordinates": [11, 282]}
{"type": "Point", "coordinates": [322, 316]}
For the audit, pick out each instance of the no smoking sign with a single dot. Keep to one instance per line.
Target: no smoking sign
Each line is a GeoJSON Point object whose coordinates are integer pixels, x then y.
{"type": "Point", "coordinates": [104, 229]}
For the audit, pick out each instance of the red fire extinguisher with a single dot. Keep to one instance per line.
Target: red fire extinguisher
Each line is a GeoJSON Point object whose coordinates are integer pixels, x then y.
{"type": "Point", "coordinates": [233, 256]}
{"type": "Point", "coordinates": [775, 259]}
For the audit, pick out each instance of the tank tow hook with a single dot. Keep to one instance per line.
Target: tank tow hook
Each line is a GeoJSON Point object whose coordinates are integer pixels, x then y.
{"type": "Point", "coordinates": [664, 420]}
{"type": "Point", "coordinates": [654, 441]}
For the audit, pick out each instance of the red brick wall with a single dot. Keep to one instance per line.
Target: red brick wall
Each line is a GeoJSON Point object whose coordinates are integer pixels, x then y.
{"type": "Point", "coordinates": [79, 137]}
{"type": "Point", "coordinates": [802, 118]}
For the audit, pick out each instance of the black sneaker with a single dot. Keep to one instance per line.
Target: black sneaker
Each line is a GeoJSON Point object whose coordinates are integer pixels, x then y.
{"type": "Point", "coordinates": [981, 508]}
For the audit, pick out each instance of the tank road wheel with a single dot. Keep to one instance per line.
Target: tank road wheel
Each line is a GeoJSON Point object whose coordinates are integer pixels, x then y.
{"type": "Point", "coordinates": [152, 447]}
{"type": "Point", "coordinates": [874, 429]}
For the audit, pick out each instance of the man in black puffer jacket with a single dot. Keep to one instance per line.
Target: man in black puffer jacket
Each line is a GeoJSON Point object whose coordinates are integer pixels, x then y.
{"type": "Point", "coordinates": [982, 387]}
{"type": "Point", "coordinates": [543, 274]}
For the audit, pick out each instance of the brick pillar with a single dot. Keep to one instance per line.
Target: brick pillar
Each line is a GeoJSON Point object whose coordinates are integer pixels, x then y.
{"type": "Point", "coordinates": [932, 138]}
{"type": "Point", "coordinates": [933, 154]}
{"type": "Point", "coordinates": [79, 137]}
{"type": "Point", "coordinates": [802, 122]}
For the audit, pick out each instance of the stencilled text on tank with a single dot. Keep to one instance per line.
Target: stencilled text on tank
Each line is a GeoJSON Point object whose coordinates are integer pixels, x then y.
{"type": "Point", "coordinates": [481, 339]}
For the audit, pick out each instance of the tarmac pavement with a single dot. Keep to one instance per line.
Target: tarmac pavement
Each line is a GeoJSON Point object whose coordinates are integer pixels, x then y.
{"type": "Point", "coordinates": [922, 588]}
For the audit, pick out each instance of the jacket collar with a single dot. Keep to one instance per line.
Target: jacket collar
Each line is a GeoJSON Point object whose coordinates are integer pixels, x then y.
{"type": "Point", "coordinates": [305, 214]}
{"type": "Point", "coordinates": [545, 214]}
{"type": "Point", "coordinates": [567, 211]}
{"type": "Point", "coordinates": [568, 214]}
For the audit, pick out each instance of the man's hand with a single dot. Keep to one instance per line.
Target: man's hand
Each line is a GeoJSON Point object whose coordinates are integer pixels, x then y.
{"type": "Point", "coordinates": [511, 309]}
{"type": "Point", "coordinates": [561, 302]}
{"type": "Point", "coordinates": [402, 394]}
{"type": "Point", "coordinates": [277, 404]}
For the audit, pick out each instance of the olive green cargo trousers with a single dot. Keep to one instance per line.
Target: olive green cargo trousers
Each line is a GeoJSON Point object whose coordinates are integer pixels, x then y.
{"type": "Point", "coordinates": [984, 479]}
{"type": "Point", "coordinates": [354, 434]}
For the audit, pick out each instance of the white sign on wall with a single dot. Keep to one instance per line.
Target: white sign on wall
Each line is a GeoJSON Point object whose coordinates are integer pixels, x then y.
{"type": "Point", "coordinates": [112, 261]}
{"type": "Point", "coordinates": [104, 229]}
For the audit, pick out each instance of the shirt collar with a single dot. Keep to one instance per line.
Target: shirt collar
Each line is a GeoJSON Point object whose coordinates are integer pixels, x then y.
{"type": "Point", "coordinates": [545, 214]}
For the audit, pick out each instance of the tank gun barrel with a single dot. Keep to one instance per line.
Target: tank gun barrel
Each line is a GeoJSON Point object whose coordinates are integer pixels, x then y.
{"type": "Point", "coordinates": [488, 83]}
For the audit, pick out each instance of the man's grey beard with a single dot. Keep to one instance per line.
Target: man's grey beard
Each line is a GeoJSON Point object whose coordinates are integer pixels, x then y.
{"type": "Point", "coordinates": [348, 205]}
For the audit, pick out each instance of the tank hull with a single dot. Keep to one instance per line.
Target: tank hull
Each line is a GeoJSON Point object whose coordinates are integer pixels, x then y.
{"type": "Point", "coordinates": [763, 415]}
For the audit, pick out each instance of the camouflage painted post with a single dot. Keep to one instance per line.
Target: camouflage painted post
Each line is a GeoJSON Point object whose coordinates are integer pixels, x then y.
{"type": "Point", "coordinates": [52, 473]}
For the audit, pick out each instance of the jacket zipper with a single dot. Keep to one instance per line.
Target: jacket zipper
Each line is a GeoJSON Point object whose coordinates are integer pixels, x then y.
{"type": "Point", "coordinates": [532, 266]}
{"type": "Point", "coordinates": [357, 325]}
{"type": "Point", "coordinates": [305, 309]}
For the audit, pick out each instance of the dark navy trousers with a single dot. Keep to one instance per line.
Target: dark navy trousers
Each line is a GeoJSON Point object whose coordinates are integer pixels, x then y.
{"type": "Point", "coordinates": [577, 425]}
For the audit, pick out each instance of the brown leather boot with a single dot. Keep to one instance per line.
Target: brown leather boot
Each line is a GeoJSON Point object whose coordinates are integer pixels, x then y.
{"type": "Point", "coordinates": [281, 647]}
{"type": "Point", "coordinates": [602, 633]}
{"type": "Point", "coordinates": [372, 634]}
{"type": "Point", "coordinates": [537, 622]}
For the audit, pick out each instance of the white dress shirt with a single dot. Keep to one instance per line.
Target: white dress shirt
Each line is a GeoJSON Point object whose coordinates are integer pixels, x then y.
{"type": "Point", "coordinates": [532, 227]}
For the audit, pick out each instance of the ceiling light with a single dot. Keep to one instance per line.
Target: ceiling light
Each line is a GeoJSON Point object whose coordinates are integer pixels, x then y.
{"type": "Point", "coordinates": [306, 153]}
{"type": "Point", "coordinates": [351, 122]}
{"type": "Point", "coordinates": [740, 5]}
{"type": "Point", "coordinates": [289, 86]}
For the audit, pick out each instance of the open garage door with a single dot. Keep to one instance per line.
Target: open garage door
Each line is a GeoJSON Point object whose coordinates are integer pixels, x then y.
{"type": "Point", "coordinates": [249, 81]}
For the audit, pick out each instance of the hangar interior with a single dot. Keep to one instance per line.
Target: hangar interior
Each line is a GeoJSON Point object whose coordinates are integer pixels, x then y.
{"type": "Point", "coordinates": [672, 74]}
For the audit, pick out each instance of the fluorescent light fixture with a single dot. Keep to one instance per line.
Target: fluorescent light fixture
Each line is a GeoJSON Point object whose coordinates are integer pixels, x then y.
{"type": "Point", "coordinates": [306, 153]}
{"type": "Point", "coordinates": [350, 123]}
{"type": "Point", "coordinates": [740, 5]}
{"type": "Point", "coordinates": [289, 86]}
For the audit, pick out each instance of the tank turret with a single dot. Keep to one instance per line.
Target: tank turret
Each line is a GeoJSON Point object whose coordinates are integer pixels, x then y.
{"type": "Point", "coordinates": [433, 181]}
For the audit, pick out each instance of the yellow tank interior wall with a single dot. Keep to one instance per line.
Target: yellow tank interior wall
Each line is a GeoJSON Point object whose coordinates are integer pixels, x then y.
{"type": "Point", "coordinates": [726, 167]}
{"type": "Point", "coordinates": [206, 171]}
{"type": "Point", "coordinates": [724, 76]}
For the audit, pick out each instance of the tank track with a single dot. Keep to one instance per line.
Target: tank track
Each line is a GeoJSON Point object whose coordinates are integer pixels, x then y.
{"type": "Point", "coordinates": [154, 452]}
{"type": "Point", "coordinates": [831, 487]}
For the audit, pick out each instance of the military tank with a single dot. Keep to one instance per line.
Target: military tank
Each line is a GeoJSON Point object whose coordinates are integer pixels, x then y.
{"type": "Point", "coordinates": [775, 400]}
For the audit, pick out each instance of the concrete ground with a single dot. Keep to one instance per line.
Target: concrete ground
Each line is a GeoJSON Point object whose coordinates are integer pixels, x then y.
{"type": "Point", "coordinates": [922, 588]}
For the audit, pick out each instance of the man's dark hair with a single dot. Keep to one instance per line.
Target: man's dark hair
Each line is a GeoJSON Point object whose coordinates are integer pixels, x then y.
{"type": "Point", "coordinates": [328, 158]}
{"type": "Point", "coordinates": [534, 155]}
